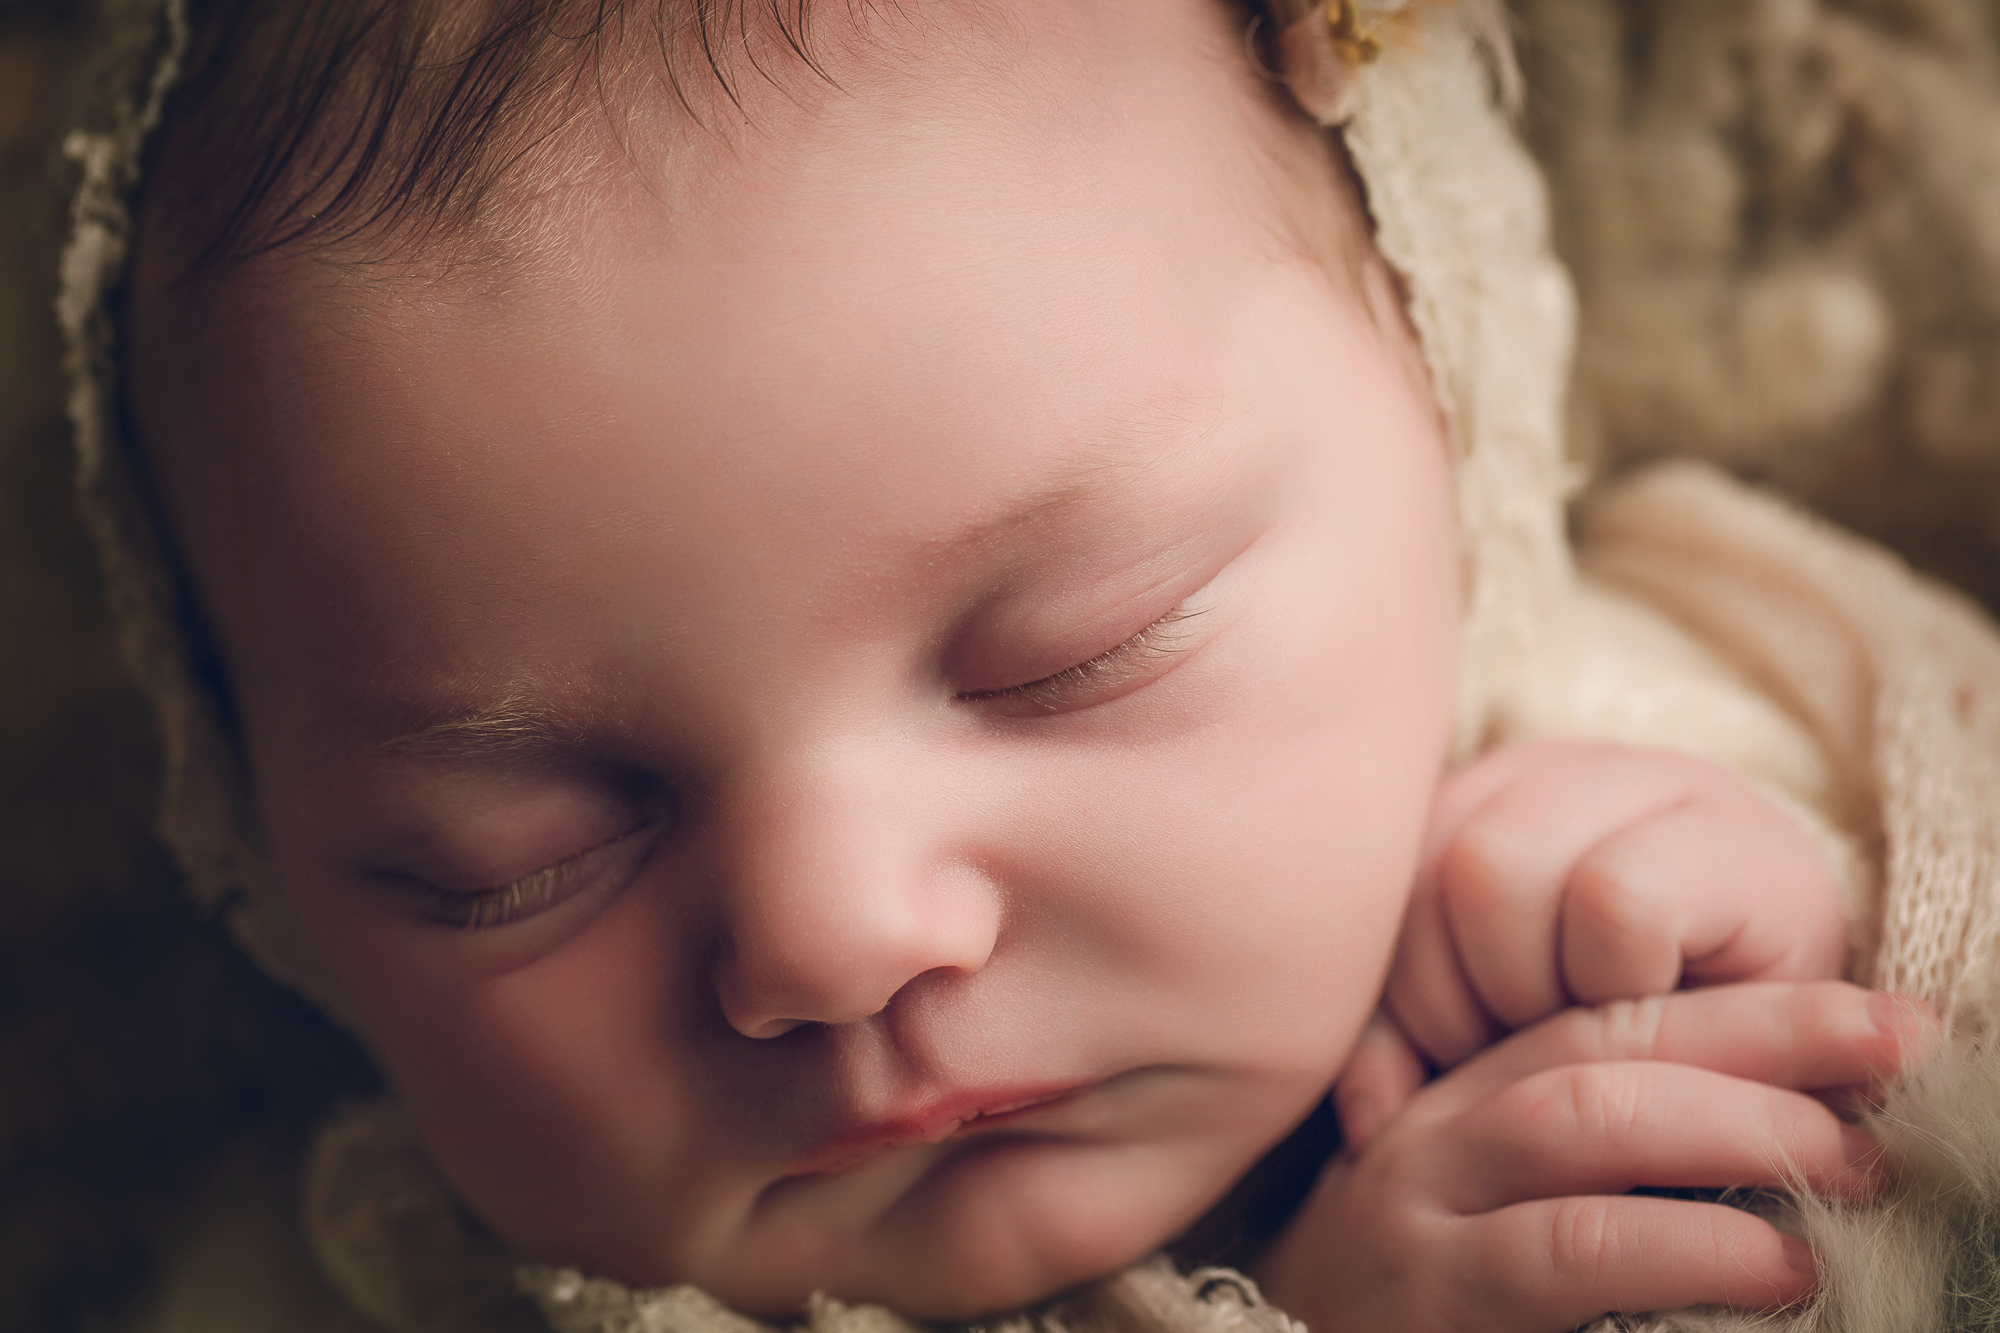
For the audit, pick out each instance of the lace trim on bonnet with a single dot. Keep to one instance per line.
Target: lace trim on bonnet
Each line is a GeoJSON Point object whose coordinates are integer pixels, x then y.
{"type": "Point", "coordinates": [1460, 212]}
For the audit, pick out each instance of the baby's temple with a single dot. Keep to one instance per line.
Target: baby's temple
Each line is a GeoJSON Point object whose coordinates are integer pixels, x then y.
{"type": "Point", "coordinates": [1172, 666]}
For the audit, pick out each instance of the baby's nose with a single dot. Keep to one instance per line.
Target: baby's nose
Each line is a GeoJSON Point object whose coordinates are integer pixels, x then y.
{"type": "Point", "coordinates": [840, 887]}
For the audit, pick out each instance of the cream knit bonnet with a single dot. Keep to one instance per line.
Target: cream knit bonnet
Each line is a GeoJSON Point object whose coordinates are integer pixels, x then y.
{"type": "Point", "coordinates": [1420, 91]}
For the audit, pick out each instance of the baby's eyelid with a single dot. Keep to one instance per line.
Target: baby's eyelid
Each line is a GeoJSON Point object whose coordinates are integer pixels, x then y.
{"type": "Point", "coordinates": [517, 899]}
{"type": "Point", "coordinates": [1059, 689]}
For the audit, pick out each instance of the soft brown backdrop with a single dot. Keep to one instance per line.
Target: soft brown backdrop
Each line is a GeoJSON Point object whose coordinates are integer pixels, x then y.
{"type": "Point", "coordinates": [134, 1043]}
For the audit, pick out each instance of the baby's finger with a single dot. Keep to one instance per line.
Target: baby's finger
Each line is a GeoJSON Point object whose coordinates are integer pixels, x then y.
{"type": "Point", "coordinates": [1609, 1128]}
{"type": "Point", "coordinates": [1719, 891]}
{"type": "Point", "coordinates": [1381, 1075]}
{"type": "Point", "coordinates": [1560, 1263]}
{"type": "Point", "coordinates": [1428, 991]}
{"type": "Point", "coordinates": [1800, 1035]}
{"type": "Point", "coordinates": [1502, 878]}
{"type": "Point", "coordinates": [1463, 792]}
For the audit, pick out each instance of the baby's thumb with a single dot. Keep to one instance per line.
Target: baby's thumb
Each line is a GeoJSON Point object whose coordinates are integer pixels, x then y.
{"type": "Point", "coordinates": [1382, 1074]}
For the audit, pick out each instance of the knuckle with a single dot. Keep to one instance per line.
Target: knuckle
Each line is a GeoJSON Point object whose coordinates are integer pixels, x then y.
{"type": "Point", "coordinates": [1597, 1103]}
{"type": "Point", "coordinates": [1576, 1108]}
{"type": "Point", "coordinates": [1482, 867]}
{"type": "Point", "coordinates": [1582, 1241]}
{"type": "Point", "coordinates": [1714, 1238]}
{"type": "Point", "coordinates": [1809, 1010]}
{"type": "Point", "coordinates": [1605, 889]}
{"type": "Point", "coordinates": [1438, 1017]}
{"type": "Point", "coordinates": [1627, 1029]}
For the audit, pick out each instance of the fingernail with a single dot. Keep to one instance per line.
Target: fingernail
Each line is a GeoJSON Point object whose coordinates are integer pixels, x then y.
{"type": "Point", "coordinates": [1859, 1145]}
{"type": "Point", "coordinates": [1894, 1016]}
{"type": "Point", "coordinates": [1799, 1256]}
{"type": "Point", "coordinates": [1864, 1155]}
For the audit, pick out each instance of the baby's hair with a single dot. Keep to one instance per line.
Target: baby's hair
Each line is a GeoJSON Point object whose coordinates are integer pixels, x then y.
{"type": "Point", "coordinates": [316, 123]}
{"type": "Point", "coordinates": [381, 128]}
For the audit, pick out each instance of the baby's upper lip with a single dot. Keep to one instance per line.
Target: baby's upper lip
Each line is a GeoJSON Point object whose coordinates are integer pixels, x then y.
{"type": "Point", "coordinates": [932, 1121]}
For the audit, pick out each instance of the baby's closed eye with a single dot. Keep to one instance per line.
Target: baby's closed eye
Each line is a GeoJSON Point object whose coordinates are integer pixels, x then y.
{"type": "Point", "coordinates": [1100, 679]}
{"type": "Point", "coordinates": [607, 865]}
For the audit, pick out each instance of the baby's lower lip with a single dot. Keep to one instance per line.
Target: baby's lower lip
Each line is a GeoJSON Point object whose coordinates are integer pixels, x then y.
{"type": "Point", "coordinates": [941, 1120]}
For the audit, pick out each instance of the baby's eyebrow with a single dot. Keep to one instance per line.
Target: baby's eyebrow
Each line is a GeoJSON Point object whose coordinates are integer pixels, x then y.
{"type": "Point", "coordinates": [523, 718]}
{"type": "Point", "coordinates": [515, 727]}
{"type": "Point", "coordinates": [1072, 493]}
{"type": "Point", "coordinates": [1111, 452]}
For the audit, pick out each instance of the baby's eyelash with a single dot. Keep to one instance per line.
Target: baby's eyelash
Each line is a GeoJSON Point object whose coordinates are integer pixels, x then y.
{"type": "Point", "coordinates": [1073, 684]}
{"type": "Point", "coordinates": [523, 897]}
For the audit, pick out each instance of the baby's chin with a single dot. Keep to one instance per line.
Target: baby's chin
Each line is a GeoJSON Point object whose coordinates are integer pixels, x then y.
{"type": "Point", "coordinates": [959, 1233]}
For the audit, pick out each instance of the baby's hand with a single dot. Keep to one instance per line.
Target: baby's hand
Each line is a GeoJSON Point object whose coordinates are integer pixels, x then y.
{"type": "Point", "coordinates": [1496, 1200]}
{"type": "Point", "coordinates": [1564, 872]}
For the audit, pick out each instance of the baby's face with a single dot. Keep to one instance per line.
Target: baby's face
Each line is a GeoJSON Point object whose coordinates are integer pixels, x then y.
{"type": "Point", "coordinates": [870, 733]}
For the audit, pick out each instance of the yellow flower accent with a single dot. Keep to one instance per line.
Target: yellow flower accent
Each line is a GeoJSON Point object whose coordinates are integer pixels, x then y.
{"type": "Point", "coordinates": [1356, 45]}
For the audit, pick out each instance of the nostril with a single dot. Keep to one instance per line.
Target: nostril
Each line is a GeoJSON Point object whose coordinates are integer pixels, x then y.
{"type": "Point", "coordinates": [764, 1003]}
{"type": "Point", "coordinates": [774, 1027]}
{"type": "Point", "coordinates": [825, 919]}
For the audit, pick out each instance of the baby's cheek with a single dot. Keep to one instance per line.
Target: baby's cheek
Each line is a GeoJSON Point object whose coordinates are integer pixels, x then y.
{"type": "Point", "coordinates": [566, 1099]}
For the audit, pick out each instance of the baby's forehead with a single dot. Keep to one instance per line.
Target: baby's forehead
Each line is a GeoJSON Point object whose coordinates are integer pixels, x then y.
{"type": "Point", "coordinates": [728, 449]}
{"type": "Point", "coordinates": [1081, 152]}
{"type": "Point", "coordinates": [876, 313]}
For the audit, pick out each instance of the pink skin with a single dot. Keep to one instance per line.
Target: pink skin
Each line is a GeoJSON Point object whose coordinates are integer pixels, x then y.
{"type": "Point", "coordinates": [748, 511]}
{"type": "Point", "coordinates": [1495, 1199]}
{"type": "Point", "coordinates": [691, 560]}
{"type": "Point", "coordinates": [1570, 871]}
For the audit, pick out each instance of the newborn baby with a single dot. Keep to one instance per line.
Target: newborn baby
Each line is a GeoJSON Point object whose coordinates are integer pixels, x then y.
{"type": "Point", "coordinates": [846, 664]}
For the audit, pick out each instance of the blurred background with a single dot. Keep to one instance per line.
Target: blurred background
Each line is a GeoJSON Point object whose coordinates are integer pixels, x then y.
{"type": "Point", "coordinates": [1784, 219]}
{"type": "Point", "coordinates": [137, 1048]}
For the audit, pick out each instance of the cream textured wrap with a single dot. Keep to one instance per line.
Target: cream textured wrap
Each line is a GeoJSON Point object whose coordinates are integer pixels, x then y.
{"type": "Point", "coordinates": [1879, 696]}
